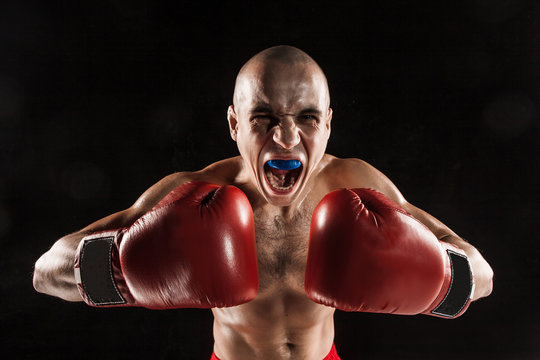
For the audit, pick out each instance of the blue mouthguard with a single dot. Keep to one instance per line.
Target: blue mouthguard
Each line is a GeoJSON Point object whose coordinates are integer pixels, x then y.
{"type": "Point", "coordinates": [284, 164]}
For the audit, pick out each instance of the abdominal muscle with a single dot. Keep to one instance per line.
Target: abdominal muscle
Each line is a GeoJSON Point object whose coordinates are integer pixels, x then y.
{"type": "Point", "coordinates": [280, 323]}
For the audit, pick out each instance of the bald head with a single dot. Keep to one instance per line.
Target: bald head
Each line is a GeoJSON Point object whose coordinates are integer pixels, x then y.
{"type": "Point", "coordinates": [282, 53]}
{"type": "Point", "coordinates": [273, 61]}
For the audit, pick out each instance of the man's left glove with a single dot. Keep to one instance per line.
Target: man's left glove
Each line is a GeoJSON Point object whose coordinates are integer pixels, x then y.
{"type": "Point", "coordinates": [367, 254]}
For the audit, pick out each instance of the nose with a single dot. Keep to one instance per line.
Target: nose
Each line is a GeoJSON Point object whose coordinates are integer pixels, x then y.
{"type": "Point", "coordinates": [286, 134]}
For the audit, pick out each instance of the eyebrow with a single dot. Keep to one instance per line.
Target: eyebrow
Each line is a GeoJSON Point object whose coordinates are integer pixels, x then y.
{"type": "Point", "coordinates": [261, 108]}
{"type": "Point", "coordinates": [265, 108]}
{"type": "Point", "coordinates": [310, 111]}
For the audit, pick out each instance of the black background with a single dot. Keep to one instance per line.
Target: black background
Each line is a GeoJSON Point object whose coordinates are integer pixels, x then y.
{"type": "Point", "coordinates": [100, 100]}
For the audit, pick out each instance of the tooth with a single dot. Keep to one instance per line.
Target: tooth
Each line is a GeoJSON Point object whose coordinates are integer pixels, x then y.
{"type": "Point", "coordinates": [280, 181]}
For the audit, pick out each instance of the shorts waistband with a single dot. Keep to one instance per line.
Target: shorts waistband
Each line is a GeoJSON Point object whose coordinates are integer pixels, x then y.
{"type": "Point", "coordinates": [332, 355]}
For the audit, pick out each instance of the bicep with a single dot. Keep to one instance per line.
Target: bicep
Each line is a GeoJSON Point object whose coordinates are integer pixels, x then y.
{"type": "Point", "coordinates": [435, 225]}
{"type": "Point", "coordinates": [53, 271]}
{"type": "Point", "coordinates": [366, 175]}
{"type": "Point", "coordinates": [66, 246]}
{"type": "Point", "coordinates": [117, 220]}
{"type": "Point", "coordinates": [141, 206]}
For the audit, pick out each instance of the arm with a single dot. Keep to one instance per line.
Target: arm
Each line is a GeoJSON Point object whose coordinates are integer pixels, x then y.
{"type": "Point", "coordinates": [53, 272]}
{"type": "Point", "coordinates": [361, 174]}
{"type": "Point", "coordinates": [482, 272]}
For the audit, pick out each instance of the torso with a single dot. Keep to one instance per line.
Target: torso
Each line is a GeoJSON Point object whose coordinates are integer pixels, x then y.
{"type": "Point", "coordinates": [281, 322]}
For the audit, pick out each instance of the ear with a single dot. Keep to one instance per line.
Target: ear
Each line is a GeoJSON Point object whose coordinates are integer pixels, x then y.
{"type": "Point", "coordinates": [233, 122]}
{"type": "Point", "coordinates": [329, 120]}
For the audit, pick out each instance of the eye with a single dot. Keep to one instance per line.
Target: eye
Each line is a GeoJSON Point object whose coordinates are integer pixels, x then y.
{"type": "Point", "coordinates": [308, 118]}
{"type": "Point", "coordinates": [264, 120]}
{"type": "Point", "coordinates": [261, 118]}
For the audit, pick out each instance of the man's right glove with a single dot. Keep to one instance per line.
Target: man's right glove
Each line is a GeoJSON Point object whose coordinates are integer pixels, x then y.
{"type": "Point", "coordinates": [194, 249]}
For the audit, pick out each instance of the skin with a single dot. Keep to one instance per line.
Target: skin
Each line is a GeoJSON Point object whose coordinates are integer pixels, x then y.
{"type": "Point", "coordinates": [280, 110]}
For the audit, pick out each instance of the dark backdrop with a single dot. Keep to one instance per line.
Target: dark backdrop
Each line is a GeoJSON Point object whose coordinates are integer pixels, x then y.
{"type": "Point", "coordinates": [100, 100]}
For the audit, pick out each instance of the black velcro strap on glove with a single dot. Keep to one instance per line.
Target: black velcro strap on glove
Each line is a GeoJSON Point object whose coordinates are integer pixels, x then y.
{"type": "Point", "coordinates": [461, 286]}
{"type": "Point", "coordinates": [96, 273]}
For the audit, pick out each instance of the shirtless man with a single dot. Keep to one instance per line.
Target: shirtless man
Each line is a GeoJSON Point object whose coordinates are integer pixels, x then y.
{"type": "Point", "coordinates": [281, 111]}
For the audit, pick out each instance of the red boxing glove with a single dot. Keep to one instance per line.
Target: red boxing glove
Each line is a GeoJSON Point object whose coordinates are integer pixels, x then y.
{"type": "Point", "coordinates": [195, 248]}
{"type": "Point", "coordinates": [368, 254]}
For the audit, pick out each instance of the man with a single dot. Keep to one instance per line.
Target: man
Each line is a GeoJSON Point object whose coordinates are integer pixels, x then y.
{"type": "Point", "coordinates": [280, 120]}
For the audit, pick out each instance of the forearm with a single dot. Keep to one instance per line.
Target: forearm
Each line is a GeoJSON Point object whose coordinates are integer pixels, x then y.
{"type": "Point", "coordinates": [53, 271]}
{"type": "Point", "coordinates": [54, 274]}
{"type": "Point", "coordinates": [482, 272]}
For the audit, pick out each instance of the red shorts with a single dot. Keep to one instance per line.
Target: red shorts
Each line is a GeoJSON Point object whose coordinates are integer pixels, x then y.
{"type": "Point", "coordinates": [332, 355]}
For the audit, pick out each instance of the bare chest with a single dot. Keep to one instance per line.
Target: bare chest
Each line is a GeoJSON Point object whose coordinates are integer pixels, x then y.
{"type": "Point", "coordinates": [282, 246]}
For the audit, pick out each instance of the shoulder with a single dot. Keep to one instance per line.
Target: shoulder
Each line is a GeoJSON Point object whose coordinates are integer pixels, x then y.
{"type": "Point", "coordinates": [356, 173]}
{"type": "Point", "coordinates": [223, 172]}
{"type": "Point", "coordinates": [220, 173]}
{"type": "Point", "coordinates": [350, 172]}
{"type": "Point", "coordinates": [348, 164]}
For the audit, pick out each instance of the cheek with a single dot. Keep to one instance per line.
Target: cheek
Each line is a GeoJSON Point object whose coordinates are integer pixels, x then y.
{"type": "Point", "coordinates": [315, 134]}
{"type": "Point", "coordinates": [249, 142]}
{"type": "Point", "coordinates": [315, 142]}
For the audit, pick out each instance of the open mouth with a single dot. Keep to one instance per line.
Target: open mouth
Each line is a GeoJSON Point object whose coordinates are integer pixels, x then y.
{"type": "Point", "coordinates": [282, 175]}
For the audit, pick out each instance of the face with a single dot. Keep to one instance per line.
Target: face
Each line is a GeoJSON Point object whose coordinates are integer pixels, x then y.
{"type": "Point", "coordinates": [281, 112]}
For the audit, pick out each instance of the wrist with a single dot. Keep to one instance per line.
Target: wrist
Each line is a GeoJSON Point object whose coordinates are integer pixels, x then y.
{"type": "Point", "coordinates": [458, 285]}
{"type": "Point", "coordinates": [97, 270]}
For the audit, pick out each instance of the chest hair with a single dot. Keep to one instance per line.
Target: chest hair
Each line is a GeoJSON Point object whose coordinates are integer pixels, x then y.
{"type": "Point", "coordinates": [282, 247]}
